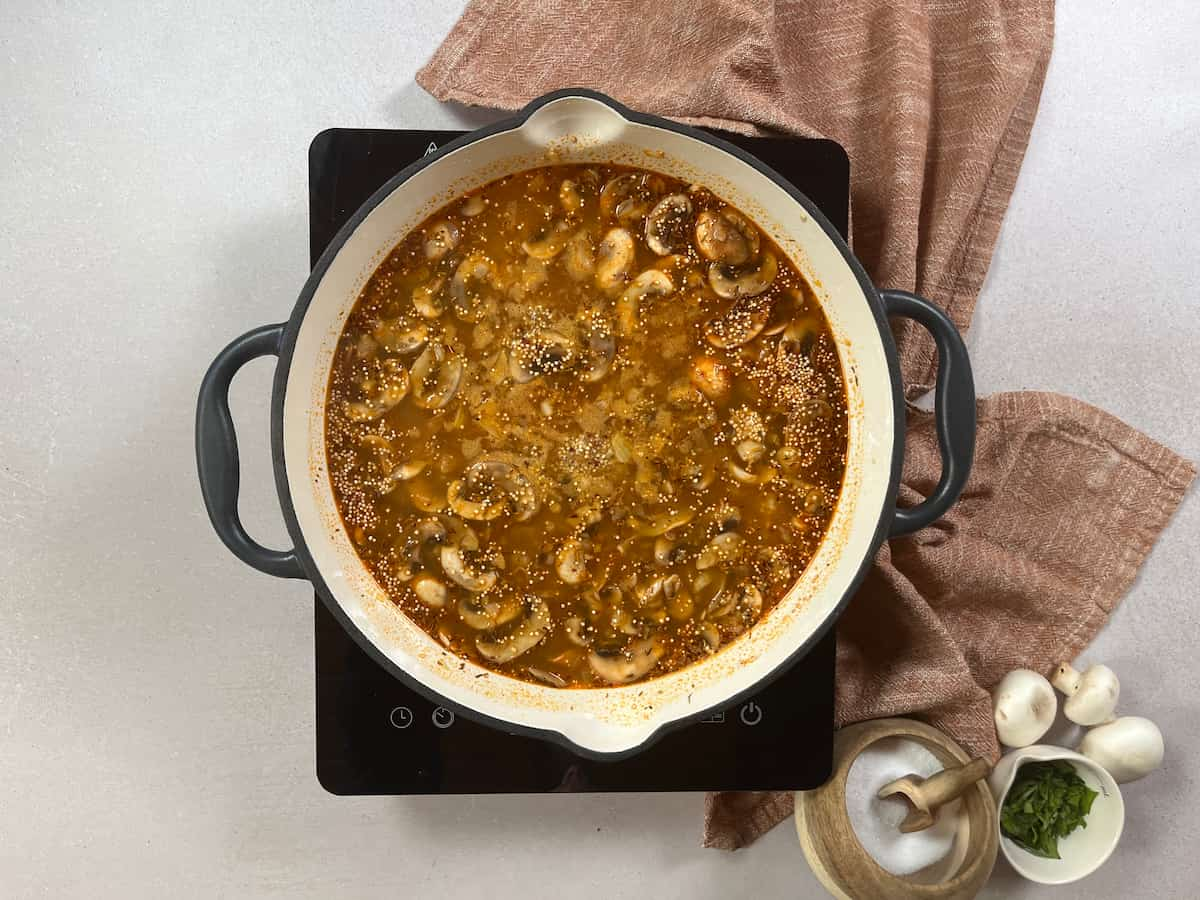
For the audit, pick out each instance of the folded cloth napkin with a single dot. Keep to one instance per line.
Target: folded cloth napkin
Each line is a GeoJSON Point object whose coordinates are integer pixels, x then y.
{"type": "Point", "coordinates": [934, 102]}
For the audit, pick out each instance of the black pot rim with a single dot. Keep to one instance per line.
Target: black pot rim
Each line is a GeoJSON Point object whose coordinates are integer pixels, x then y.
{"type": "Point", "coordinates": [288, 345]}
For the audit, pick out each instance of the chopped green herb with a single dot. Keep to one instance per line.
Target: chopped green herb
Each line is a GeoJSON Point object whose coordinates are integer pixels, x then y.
{"type": "Point", "coordinates": [1047, 801]}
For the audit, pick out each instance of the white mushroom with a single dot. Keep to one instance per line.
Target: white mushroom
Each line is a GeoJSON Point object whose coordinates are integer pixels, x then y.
{"type": "Point", "coordinates": [723, 548]}
{"type": "Point", "coordinates": [738, 325]}
{"type": "Point", "coordinates": [571, 562]}
{"type": "Point", "coordinates": [574, 630]}
{"type": "Point", "coordinates": [441, 238]}
{"type": "Point", "coordinates": [1023, 706]}
{"type": "Point", "coordinates": [1129, 748]}
{"type": "Point", "coordinates": [465, 294]}
{"type": "Point", "coordinates": [386, 388]}
{"type": "Point", "coordinates": [488, 489]}
{"type": "Point", "coordinates": [667, 224]}
{"type": "Point", "coordinates": [473, 206]}
{"type": "Point", "coordinates": [614, 259]}
{"type": "Point", "coordinates": [745, 476]}
{"type": "Point", "coordinates": [428, 298]}
{"type": "Point", "coordinates": [750, 451]}
{"type": "Point", "coordinates": [726, 237]}
{"type": "Point", "coordinates": [599, 352]}
{"type": "Point", "coordinates": [548, 243]}
{"type": "Point", "coordinates": [711, 377]}
{"type": "Point", "coordinates": [436, 375]}
{"type": "Point", "coordinates": [569, 197]}
{"type": "Point", "coordinates": [429, 590]}
{"type": "Point", "coordinates": [731, 284]}
{"type": "Point", "coordinates": [651, 283]}
{"type": "Point", "coordinates": [485, 611]}
{"type": "Point", "coordinates": [406, 471]}
{"type": "Point", "coordinates": [579, 256]}
{"type": "Point", "coordinates": [630, 664]}
{"type": "Point", "coordinates": [399, 336]}
{"type": "Point", "coordinates": [541, 353]}
{"type": "Point", "coordinates": [1091, 695]}
{"type": "Point", "coordinates": [798, 337]}
{"type": "Point", "coordinates": [617, 191]}
{"type": "Point", "coordinates": [456, 570]}
{"type": "Point", "coordinates": [518, 637]}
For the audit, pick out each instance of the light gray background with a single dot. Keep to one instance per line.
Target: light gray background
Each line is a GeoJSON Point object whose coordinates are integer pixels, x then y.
{"type": "Point", "coordinates": [156, 696]}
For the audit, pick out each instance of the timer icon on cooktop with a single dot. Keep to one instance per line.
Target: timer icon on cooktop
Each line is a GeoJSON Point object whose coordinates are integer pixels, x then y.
{"type": "Point", "coordinates": [442, 717]}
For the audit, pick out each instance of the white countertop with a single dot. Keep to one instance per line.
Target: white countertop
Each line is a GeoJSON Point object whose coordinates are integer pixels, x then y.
{"type": "Point", "coordinates": [156, 696]}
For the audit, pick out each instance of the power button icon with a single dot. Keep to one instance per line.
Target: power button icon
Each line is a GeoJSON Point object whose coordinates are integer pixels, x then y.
{"type": "Point", "coordinates": [751, 713]}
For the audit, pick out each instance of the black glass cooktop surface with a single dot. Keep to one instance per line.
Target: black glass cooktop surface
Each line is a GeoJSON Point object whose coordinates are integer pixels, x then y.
{"type": "Point", "coordinates": [377, 736]}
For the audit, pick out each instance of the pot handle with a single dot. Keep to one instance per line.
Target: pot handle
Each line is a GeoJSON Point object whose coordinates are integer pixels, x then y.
{"type": "Point", "coordinates": [217, 453]}
{"type": "Point", "coordinates": [954, 409]}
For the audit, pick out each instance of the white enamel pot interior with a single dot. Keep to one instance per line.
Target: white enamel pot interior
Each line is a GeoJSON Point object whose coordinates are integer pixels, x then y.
{"type": "Point", "coordinates": [610, 721]}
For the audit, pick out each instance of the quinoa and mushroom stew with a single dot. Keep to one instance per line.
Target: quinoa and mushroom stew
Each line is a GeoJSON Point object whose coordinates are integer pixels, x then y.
{"type": "Point", "coordinates": [586, 425]}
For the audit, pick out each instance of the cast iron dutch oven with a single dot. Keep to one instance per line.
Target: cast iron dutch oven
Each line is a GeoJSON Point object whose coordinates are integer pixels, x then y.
{"type": "Point", "coordinates": [578, 126]}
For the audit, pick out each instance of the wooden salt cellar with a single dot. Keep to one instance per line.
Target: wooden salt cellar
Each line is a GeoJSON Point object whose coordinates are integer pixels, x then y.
{"type": "Point", "coordinates": [843, 865]}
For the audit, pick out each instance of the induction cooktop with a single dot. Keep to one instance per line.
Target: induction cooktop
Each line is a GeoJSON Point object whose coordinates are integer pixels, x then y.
{"type": "Point", "coordinates": [375, 735]}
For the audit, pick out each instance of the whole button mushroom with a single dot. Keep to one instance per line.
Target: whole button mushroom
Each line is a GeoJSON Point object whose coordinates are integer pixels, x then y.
{"type": "Point", "coordinates": [1091, 695]}
{"type": "Point", "coordinates": [1023, 705]}
{"type": "Point", "coordinates": [1129, 748]}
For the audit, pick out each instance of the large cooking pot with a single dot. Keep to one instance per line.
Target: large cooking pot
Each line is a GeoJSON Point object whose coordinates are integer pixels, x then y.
{"type": "Point", "coordinates": [567, 126]}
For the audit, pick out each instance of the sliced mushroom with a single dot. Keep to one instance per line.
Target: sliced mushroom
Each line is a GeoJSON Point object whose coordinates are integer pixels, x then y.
{"type": "Point", "coordinates": [725, 236]}
{"type": "Point", "coordinates": [441, 238]}
{"type": "Point", "coordinates": [711, 377]}
{"type": "Point", "coordinates": [614, 259]}
{"type": "Point", "coordinates": [745, 476]}
{"type": "Point", "coordinates": [428, 299]}
{"type": "Point", "coordinates": [479, 510]}
{"type": "Point", "coordinates": [429, 590]}
{"type": "Point", "coordinates": [630, 212]}
{"type": "Point", "coordinates": [465, 294]}
{"type": "Point", "coordinates": [436, 375]}
{"type": "Point", "coordinates": [571, 562]}
{"type": "Point", "coordinates": [799, 337]}
{"type": "Point", "coordinates": [399, 336]}
{"type": "Point", "coordinates": [728, 283]}
{"type": "Point", "coordinates": [616, 191]}
{"type": "Point", "coordinates": [738, 325]}
{"type": "Point", "coordinates": [599, 352]}
{"type": "Point", "coordinates": [708, 588]}
{"type": "Point", "coordinates": [485, 611]}
{"type": "Point", "coordinates": [667, 224]}
{"type": "Point", "coordinates": [473, 206]}
{"type": "Point", "coordinates": [550, 242]}
{"type": "Point", "coordinates": [627, 665]}
{"type": "Point", "coordinates": [665, 523]}
{"type": "Point", "coordinates": [407, 471]}
{"type": "Point", "coordinates": [518, 637]}
{"type": "Point", "coordinates": [749, 602]}
{"type": "Point", "coordinates": [456, 570]}
{"type": "Point", "coordinates": [540, 353]}
{"type": "Point", "coordinates": [723, 548]}
{"type": "Point", "coordinates": [783, 310]}
{"type": "Point", "coordinates": [750, 451]}
{"type": "Point", "coordinates": [666, 551]}
{"type": "Point", "coordinates": [489, 488]}
{"type": "Point", "coordinates": [574, 628]}
{"type": "Point", "coordinates": [569, 197]}
{"type": "Point", "coordinates": [579, 256]}
{"type": "Point", "coordinates": [651, 283]}
{"type": "Point", "coordinates": [386, 388]}
{"type": "Point", "coordinates": [710, 636]}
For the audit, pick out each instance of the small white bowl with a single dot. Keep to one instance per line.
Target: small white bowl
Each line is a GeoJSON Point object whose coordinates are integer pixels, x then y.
{"type": "Point", "coordinates": [1084, 850]}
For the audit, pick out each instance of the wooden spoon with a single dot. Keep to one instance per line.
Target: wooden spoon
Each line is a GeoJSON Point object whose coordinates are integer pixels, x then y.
{"type": "Point", "coordinates": [927, 794]}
